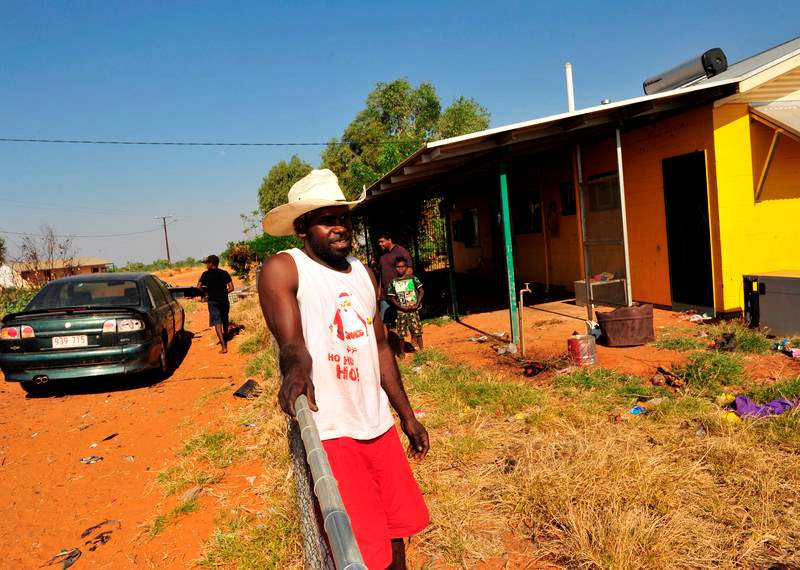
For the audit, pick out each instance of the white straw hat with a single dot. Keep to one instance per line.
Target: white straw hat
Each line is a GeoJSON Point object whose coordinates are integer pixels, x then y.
{"type": "Point", "coordinates": [317, 189]}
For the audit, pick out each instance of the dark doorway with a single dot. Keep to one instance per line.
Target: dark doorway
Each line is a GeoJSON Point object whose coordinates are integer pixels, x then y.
{"type": "Point", "coordinates": [688, 234]}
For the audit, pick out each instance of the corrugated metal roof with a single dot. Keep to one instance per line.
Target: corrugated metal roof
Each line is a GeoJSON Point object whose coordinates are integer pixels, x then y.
{"type": "Point", "coordinates": [61, 263]}
{"type": "Point", "coordinates": [436, 157]}
{"type": "Point", "coordinates": [753, 64]}
{"type": "Point", "coordinates": [784, 115]}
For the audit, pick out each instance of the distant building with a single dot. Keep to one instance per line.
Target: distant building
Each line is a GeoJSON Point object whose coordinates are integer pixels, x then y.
{"type": "Point", "coordinates": [45, 271]}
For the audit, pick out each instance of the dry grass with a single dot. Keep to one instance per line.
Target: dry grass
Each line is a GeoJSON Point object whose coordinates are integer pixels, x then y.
{"type": "Point", "coordinates": [545, 467]}
{"type": "Point", "coordinates": [656, 496]}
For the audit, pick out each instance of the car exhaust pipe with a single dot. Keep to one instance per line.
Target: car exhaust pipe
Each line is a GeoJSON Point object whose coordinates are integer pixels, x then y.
{"type": "Point", "coordinates": [41, 380]}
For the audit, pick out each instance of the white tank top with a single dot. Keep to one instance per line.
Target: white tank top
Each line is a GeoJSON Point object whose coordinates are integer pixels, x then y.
{"type": "Point", "coordinates": [337, 310]}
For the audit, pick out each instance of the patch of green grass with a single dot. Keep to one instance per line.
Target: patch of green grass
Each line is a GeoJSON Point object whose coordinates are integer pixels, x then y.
{"type": "Point", "coordinates": [785, 389]}
{"type": "Point", "coordinates": [437, 321]}
{"type": "Point", "coordinates": [219, 448]}
{"type": "Point", "coordinates": [707, 371]}
{"type": "Point", "coordinates": [158, 526]}
{"type": "Point", "coordinates": [680, 343]}
{"type": "Point", "coordinates": [750, 341]}
{"type": "Point", "coordinates": [605, 381]}
{"type": "Point", "coordinates": [263, 365]}
{"type": "Point", "coordinates": [254, 342]}
{"type": "Point", "coordinates": [686, 407]}
{"type": "Point", "coordinates": [241, 543]}
{"type": "Point", "coordinates": [184, 508]}
{"type": "Point", "coordinates": [422, 357]}
{"type": "Point", "coordinates": [182, 476]}
{"type": "Point", "coordinates": [454, 387]}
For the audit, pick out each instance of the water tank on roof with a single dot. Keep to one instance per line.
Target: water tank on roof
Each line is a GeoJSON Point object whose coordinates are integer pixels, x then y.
{"type": "Point", "coordinates": [707, 64]}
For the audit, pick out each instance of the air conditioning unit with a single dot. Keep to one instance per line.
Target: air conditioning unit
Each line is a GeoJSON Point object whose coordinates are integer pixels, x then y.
{"type": "Point", "coordinates": [772, 301]}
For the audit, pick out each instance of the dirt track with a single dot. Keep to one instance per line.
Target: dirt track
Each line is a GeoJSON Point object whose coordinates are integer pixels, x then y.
{"type": "Point", "coordinates": [49, 497]}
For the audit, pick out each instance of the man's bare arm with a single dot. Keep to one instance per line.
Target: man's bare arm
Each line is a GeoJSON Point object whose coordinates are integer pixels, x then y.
{"type": "Point", "coordinates": [277, 292]}
{"type": "Point", "coordinates": [392, 384]}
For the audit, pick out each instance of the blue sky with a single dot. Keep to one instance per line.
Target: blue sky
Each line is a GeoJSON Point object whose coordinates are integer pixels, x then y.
{"type": "Point", "coordinates": [288, 72]}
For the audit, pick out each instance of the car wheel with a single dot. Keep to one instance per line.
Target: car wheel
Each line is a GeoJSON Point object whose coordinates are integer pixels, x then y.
{"type": "Point", "coordinates": [163, 359]}
{"type": "Point", "coordinates": [34, 389]}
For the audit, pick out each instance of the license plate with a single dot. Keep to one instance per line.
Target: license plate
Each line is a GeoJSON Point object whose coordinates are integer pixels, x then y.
{"type": "Point", "coordinates": [70, 341]}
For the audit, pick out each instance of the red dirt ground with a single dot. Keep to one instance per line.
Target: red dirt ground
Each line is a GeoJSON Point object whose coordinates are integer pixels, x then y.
{"type": "Point", "coordinates": [49, 497]}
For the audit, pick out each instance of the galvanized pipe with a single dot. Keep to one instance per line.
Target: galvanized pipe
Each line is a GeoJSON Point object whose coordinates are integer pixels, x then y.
{"type": "Point", "coordinates": [587, 277]}
{"type": "Point", "coordinates": [344, 547]}
{"type": "Point", "coordinates": [527, 289]}
{"type": "Point", "coordinates": [570, 91]}
{"type": "Point", "coordinates": [623, 213]}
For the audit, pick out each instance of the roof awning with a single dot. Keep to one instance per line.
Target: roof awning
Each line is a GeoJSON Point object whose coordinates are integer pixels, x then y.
{"type": "Point", "coordinates": [783, 116]}
{"type": "Point", "coordinates": [438, 160]}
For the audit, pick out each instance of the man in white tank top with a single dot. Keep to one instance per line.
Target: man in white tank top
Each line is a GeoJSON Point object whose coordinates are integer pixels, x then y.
{"type": "Point", "coordinates": [321, 306]}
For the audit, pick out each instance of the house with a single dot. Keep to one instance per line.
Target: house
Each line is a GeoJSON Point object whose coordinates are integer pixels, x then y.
{"type": "Point", "coordinates": [667, 198]}
{"type": "Point", "coordinates": [43, 271]}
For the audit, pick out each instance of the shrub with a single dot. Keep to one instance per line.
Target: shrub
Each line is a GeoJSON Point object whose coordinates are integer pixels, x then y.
{"type": "Point", "coordinates": [13, 300]}
{"type": "Point", "coordinates": [240, 258]}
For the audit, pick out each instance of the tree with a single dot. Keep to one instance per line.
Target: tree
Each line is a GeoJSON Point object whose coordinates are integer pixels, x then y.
{"type": "Point", "coordinates": [45, 256]}
{"type": "Point", "coordinates": [275, 187]}
{"type": "Point", "coordinates": [3, 251]}
{"type": "Point", "coordinates": [397, 119]}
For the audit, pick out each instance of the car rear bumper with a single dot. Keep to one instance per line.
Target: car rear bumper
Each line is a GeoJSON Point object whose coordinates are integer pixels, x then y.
{"type": "Point", "coordinates": [81, 364]}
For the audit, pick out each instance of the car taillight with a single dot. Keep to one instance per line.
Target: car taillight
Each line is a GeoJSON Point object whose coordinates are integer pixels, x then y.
{"type": "Point", "coordinates": [110, 326]}
{"type": "Point", "coordinates": [9, 333]}
{"type": "Point", "coordinates": [27, 331]}
{"type": "Point", "coordinates": [129, 325]}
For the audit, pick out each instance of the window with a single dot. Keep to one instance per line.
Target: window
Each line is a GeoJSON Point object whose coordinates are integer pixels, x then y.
{"type": "Point", "coordinates": [156, 295]}
{"type": "Point", "coordinates": [89, 293]}
{"type": "Point", "coordinates": [603, 193]}
{"type": "Point", "coordinates": [567, 190]}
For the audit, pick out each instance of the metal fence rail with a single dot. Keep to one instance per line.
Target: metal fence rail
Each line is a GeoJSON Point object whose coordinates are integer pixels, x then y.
{"type": "Point", "coordinates": [312, 471]}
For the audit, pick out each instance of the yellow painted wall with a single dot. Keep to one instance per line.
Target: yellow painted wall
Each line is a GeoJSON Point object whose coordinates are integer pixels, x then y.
{"type": "Point", "coordinates": [643, 149]}
{"type": "Point", "coordinates": [755, 237]}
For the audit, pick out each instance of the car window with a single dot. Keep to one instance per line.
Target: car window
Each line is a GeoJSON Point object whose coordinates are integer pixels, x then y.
{"type": "Point", "coordinates": [155, 292]}
{"type": "Point", "coordinates": [88, 293]}
{"type": "Point", "coordinates": [165, 291]}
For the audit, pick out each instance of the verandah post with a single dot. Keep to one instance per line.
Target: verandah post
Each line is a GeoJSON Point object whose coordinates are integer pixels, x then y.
{"type": "Point", "coordinates": [508, 248]}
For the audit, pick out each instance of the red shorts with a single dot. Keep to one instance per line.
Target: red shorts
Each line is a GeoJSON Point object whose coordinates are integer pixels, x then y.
{"type": "Point", "coordinates": [379, 492]}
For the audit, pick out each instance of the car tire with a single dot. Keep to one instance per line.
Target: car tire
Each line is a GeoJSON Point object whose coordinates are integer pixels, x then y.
{"type": "Point", "coordinates": [34, 389]}
{"type": "Point", "coordinates": [163, 357]}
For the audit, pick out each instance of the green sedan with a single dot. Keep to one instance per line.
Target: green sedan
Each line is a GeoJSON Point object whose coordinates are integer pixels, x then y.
{"type": "Point", "coordinates": [90, 325]}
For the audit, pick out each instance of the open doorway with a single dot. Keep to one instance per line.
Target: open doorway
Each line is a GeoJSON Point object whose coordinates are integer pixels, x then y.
{"type": "Point", "coordinates": [688, 234]}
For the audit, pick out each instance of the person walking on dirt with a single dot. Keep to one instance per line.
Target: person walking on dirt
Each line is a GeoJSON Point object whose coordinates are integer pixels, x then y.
{"type": "Point", "coordinates": [391, 253]}
{"type": "Point", "coordinates": [216, 283]}
{"type": "Point", "coordinates": [405, 294]}
{"type": "Point", "coordinates": [320, 304]}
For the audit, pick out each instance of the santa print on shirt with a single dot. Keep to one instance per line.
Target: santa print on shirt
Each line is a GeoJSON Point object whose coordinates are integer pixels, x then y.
{"type": "Point", "coordinates": [350, 328]}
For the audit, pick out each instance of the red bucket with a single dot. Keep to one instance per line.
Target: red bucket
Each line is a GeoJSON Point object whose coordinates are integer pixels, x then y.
{"type": "Point", "coordinates": [582, 349]}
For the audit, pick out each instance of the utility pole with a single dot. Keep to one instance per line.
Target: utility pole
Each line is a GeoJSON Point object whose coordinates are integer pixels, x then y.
{"type": "Point", "coordinates": [166, 238]}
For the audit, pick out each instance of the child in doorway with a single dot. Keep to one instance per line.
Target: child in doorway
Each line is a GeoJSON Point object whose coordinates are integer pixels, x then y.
{"type": "Point", "coordinates": [405, 293]}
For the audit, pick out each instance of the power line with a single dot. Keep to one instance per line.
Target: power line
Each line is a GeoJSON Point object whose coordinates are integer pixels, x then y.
{"type": "Point", "coordinates": [29, 234]}
{"type": "Point", "coordinates": [63, 207]}
{"type": "Point", "coordinates": [195, 143]}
